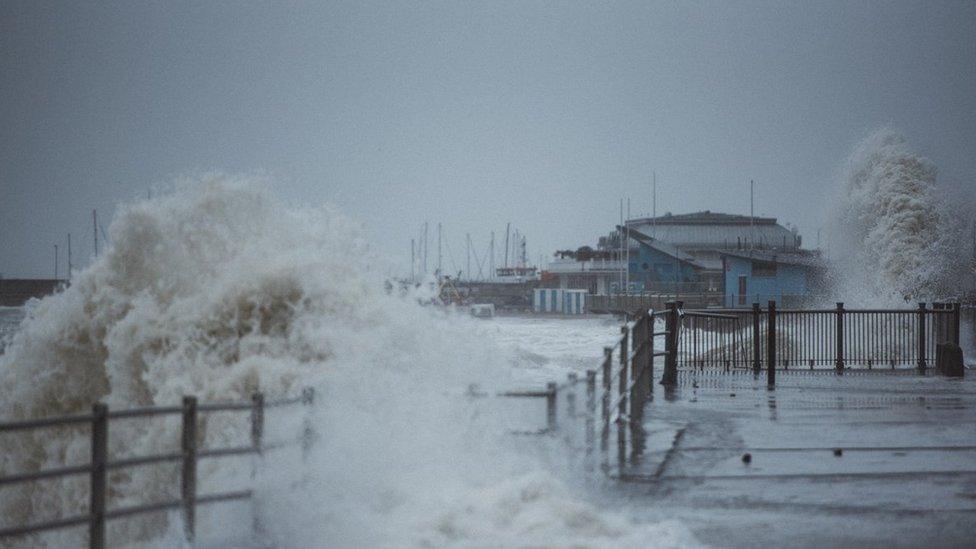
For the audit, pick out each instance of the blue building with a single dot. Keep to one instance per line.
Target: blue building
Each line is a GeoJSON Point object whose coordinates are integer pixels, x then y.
{"type": "Point", "coordinates": [761, 276]}
{"type": "Point", "coordinates": [656, 266]}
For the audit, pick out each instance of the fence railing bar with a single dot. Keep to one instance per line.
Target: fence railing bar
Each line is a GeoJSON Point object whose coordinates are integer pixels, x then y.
{"type": "Point", "coordinates": [224, 406]}
{"type": "Point", "coordinates": [44, 526]}
{"type": "Point", "coordinates": [221, 452]}
{"type": "Point", "coordinates": [143, 508]}
{"type": "Point", "coordinates": [46, 473]}
{"type": "Point", "coordinates": [143, 460]}
{"type": "Point", "coordinates": [827, 449]}
{"type": "Point", "coordinates": [224, 496]}
{"type": "Point", "coordinates": [144, 412]}
{"type": "Point", "coordinates": [56, 421]}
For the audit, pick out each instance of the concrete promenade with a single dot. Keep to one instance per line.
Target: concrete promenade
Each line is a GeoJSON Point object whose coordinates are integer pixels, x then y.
{"type": "Point", "coordinates": [905, 473]}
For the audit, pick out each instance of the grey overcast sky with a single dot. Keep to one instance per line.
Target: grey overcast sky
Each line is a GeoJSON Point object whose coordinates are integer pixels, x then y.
{"type": "Point", "coordinates": [473, 114]}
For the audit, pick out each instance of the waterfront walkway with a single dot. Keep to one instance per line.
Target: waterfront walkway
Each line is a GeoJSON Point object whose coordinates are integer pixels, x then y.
{"type": "Point", "coordinates": [904, 475]}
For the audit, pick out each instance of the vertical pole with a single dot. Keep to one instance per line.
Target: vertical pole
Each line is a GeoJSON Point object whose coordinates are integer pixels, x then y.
{"type": "Point", "coordinates": [649, 385]}
{"type": "Point", "coordinates": [590, 416]}
{"type": "Point", "coordinates": [551, 407]}
{"type": "Point", "coordinates": [956, 310]}
{"type": "Point", "coordinates": [622, 401]}
{"type": "Point", "coordinates": [670, 376]}
{"type": "Point", "coordinates": [921, 337]}
{"type": "Point", "coordinates": [605, 408]}
{"type": "Point", "coordinates": [839, 351]}
{"type": "Point", "coordinates": [756, 342]}
{"type": "Point", "coordinates": [308, 435]}
{"type": "Point", "coordinates": [771, 345]}
{"type": "Point", "coordinates": [257, 433]}
{"type": "Point", "coordinates": [571, 380]}
{"type": "Point", "coordinates": [99, 478]}
{"type": "Point", "coordinates": [55, 262]}
{"type": "Point", "coordinates": [189, 477]}
{"type": "Point", "coordinates": [95, 229]}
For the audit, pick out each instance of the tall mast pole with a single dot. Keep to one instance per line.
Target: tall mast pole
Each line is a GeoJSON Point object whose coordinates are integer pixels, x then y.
{"type": "Point", "coordinates": [69, 256]}
{"type": "Point", "coordinates": [467, 241]}
{"type": "Point", "coordinates": [95, 229]}
{"type": "Point", "coordinates": [654, 204]}
{"type": "Point", "coordinates": [507, 231]}
{"type": "Point", "coordinates": [55, 262]}
{"type": "Point", "coordinates": [439, 255]}
{"type": "Point", "coordinates": [491, 256]}
{"type": "Point", "coordinates": [752, 214]}
{"type": "Point", "coordinates": [413, 258]}
{"type": "Point", "coordinates": [425, 248]}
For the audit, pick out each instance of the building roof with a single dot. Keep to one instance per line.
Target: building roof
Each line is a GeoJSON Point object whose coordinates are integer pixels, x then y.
{"type": "Point", "coordinates": [804, 260]}
{"type": "Point", "coordinates": [705, 217]}
{"type": "Point", "coordinates": [662, 247]}
{"type": "Point", "coordinates": [709, 230]}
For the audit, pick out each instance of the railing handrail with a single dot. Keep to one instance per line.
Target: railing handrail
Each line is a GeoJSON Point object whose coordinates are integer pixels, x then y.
{"type": "Point", "coordinates": [98, 419]}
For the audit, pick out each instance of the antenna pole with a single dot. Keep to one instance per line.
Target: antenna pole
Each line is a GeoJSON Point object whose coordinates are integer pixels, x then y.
{"type": "Point", "coordinates": [55, 262]}
{"type": "Point", "coordinates": [69, 256]}
{"type": "Point", "coordinates": [95, 229]}
{"type": "Point", "coordinates": [654, 204]}
{"type": "Point", "coordinates": [752, 214]}
{"type": "Point", "coordinates": [491, 256]}
{"type": "Point", "coordinates": [507, 230]}
{"type": "Point", "coordinates": [439, 255]}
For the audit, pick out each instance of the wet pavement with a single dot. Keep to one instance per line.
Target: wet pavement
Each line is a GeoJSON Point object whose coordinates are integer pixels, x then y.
{"type": "Point", "coordinates": [864, 459]}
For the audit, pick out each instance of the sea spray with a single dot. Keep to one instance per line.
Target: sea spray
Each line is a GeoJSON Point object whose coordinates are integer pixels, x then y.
{"type": "Point", "coordinates": [891, 235]}
{"type": "Point", "coordinates": [219, 290]}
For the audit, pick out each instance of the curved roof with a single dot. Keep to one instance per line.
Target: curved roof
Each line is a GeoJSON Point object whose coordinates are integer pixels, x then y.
{"type": "Point", "coordinates": [703, 230]}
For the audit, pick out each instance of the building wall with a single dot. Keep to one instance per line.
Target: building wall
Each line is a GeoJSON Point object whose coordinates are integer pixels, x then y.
{"type": "Point", "coordinates": [649, 266]}
{"type": "Point", "coordinates": [790, 280]}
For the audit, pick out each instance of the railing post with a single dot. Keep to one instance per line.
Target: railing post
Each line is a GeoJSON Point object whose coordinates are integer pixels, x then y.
{"type": "Point", "coordinates": [921, 337]}
{"type": "Point", "coordinates": [839, 336]}
{"type": "Point", "coordinates": [756, 343]}
{"type": "Point", "coordinates": [670, 376]}
{"type": "Point", "coordinates": [622, 397]}
{"type": "Point", "coordinates": [956, 310]}
{"type": "Point", "coordinates": [590, 416]}
{"type": "Point", "coordinates": [605, 408]}
{"type": "Point", "coordinates": [257, 434]}
{"type": "Point", "coordinates": [551, 407]}
{"type": "Point", "coordinates": [99, 478]}
{"type": "Point", "coordinates": [189, 477]}
{"type": "Point", "coordinates": [308, 435]}
{"type": "Point", "coordinates": [649, 385]}
{"type": "Point", "coordinates": [771, 345]}
{"type": "Point", "coordinates": [571, 380]}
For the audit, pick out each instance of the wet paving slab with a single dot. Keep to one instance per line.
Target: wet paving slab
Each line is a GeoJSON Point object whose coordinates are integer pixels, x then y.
{"type": "Point", "coordinates": [819, 461]}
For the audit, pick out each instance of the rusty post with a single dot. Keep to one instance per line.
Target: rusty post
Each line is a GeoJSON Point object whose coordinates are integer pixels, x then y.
{"type": "Point", "coordinates": [99, 476]}
{"type": "Point", "coordinates": [551, 407]}
{"type": "Point", "coordinates": [188, 483]}
{"type": "Point", "coordinates": [956, 313]}
{"type": "Point", "coordinates": [622, 398]}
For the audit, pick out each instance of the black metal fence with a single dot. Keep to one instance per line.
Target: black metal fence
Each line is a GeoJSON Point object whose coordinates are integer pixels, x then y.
{"type": "Point", "coordinates": [620, 390]}
{"type": "Point", "coordinates": [99, 510]}
{"type": "Point", "coordinates": [812, 339]}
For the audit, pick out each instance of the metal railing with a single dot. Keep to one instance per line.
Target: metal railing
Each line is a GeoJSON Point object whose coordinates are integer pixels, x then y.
{"type": "Point", "coordinates": [822, 340]}
{"type": "Point", "coordinates": [189, 455]}
{"type": "Point", "coordinates": [625, 385]}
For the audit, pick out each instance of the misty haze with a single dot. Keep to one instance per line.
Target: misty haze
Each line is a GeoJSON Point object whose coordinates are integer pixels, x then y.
{"type": "Point", "coordinates": [508, 274]}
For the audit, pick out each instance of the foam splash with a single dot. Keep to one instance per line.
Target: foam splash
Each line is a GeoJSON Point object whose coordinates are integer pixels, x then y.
{"type": "Point", "coordinates": [219, 290]}
{"type": "Point", "coordinates": [892, 235]}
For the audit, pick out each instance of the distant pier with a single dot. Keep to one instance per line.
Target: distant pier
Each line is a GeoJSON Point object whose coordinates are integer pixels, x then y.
{"type": "Point", "coordinates": [14, 292]}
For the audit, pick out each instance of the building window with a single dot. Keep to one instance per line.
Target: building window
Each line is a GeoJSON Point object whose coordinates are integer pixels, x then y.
{"type": "Point", "coordinates": [645, 266]}
{"type": "Point", "coordinates": [763, 268]}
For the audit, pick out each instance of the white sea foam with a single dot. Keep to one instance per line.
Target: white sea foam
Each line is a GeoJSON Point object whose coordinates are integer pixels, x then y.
{"type": "Point", "coordinates": [219, 290]}
{"type": "Point", "coordinates": [892, 232]}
